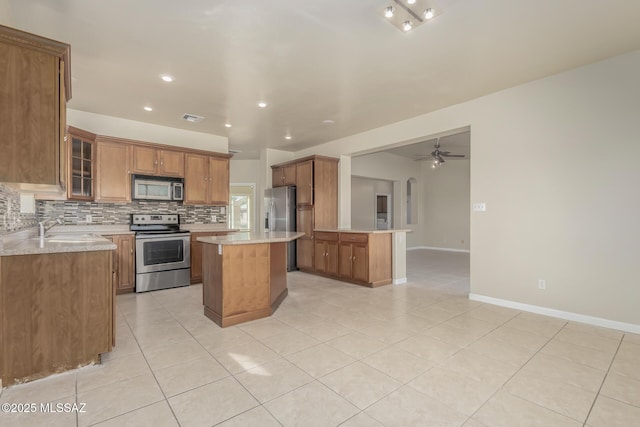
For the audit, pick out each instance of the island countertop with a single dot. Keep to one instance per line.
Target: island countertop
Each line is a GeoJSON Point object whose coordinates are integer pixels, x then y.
{"type": "Point", "coordinates": [247, 238]}
{"type": "Point", "coordinates": [362, 230]}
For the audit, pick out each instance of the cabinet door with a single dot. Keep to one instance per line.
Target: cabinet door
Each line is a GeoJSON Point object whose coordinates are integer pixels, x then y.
{"type": "Point", "coordinates": [171, 163]}
{"type": "Point", "coordinates": [304, 182]}
{"type": "Point", "coordinates": [113, 179]}
{"type": "Point", "coordinates": [29, 115]}
{"type": "Point", "coordinates": [277, 179]}
{"type": "Point", "coordinates": [196, 179]}
{"type": "Point", "coordinates": [319, 257]}
{"type": "Point", "coordinates": [344, 260]}
{"type": "Point", "coordinates": [360, 262]}
{"type": "Point", "coordinates": [219, 181]}
{"type": "Point", "coordinates": [80, 149]}
{"type": "Point", "coordinates": [304, 244]}
{"type": "Point", "coordinates": [144, 160]}
{"type": "Point", "coordinates": [332, 258]}
{"type": "Point", "coordinates": [289, 174]}
{"type": "Point", "coordinates": [325, 193]}
{"type": "Point", "coordinates": [124, 262]}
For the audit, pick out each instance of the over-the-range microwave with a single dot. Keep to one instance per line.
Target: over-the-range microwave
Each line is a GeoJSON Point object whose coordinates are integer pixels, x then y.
{"type": "Point", "coordinates": [156, 188]}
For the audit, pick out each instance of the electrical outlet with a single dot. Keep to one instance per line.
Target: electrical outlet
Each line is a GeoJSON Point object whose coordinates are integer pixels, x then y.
{"type": "Point", "coordinates": [479, 207]}
{"type": "Point", "coordinates": [88, 219]}
{"type": "Point", "coordinates": [542, 284]}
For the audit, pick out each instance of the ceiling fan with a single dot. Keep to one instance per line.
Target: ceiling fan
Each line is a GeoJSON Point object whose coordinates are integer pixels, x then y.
{"type": "Point", "coordinates": [437, 155]}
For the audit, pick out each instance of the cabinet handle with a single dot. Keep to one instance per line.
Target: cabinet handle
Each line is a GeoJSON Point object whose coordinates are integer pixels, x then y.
{"type": "Point", "coordinates": [155, 162]}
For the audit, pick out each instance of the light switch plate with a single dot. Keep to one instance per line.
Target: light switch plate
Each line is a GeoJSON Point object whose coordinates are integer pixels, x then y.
{"type": "Point", "coordinates": [480, 207]}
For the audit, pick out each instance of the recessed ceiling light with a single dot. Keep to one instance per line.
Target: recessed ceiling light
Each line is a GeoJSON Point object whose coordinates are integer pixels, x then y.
{"type": "Point", "coordinates": [227, 125]}
{"type": "Point", "coordinates": [388, 12]}
{"type": "Point", "coordinates": [406, 25]}
{"type": "Point", "coordinates": [287, 137]}
{"type": "Point", "coordinates": [428, 14]}
{"type": "Point", "coordinates": [167, 78]}
{"type": "Point", "coordinates": [262, 104]}
{"type": "Point", "coordinates": [148, 109]}
{"type": "Point", "coordinates": [328, 122]}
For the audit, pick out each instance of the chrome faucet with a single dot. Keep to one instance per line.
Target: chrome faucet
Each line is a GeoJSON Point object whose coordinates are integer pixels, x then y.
{"type": "Point", "coordinates": [43, 228]}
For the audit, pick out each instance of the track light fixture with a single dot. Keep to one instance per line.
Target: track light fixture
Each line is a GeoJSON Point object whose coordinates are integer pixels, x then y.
{"type": "Point", "coordinates": [408, 14]}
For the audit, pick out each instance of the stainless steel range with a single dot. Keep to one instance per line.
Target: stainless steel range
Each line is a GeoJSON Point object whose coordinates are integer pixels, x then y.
{"type": "Point", "coordinates": [163, 257]}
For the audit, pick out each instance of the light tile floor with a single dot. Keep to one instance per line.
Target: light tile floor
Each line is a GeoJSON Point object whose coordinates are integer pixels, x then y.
{"type": "Point", "coordinates": [335, 354]}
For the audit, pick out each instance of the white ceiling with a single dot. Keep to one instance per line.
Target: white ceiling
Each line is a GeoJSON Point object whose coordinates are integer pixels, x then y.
{"type": "Point", "coordinates": [312, 60]}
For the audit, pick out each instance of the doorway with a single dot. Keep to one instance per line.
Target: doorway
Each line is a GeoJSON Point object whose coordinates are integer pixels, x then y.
{"type": "Point", "coordinates": [383, 215]}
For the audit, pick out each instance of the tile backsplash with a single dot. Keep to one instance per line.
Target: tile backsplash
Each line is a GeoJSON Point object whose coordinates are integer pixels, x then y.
{"type": "Point", "coordinates": [74, 213]}
{"type": "Point", "coordinates": [10, 217]}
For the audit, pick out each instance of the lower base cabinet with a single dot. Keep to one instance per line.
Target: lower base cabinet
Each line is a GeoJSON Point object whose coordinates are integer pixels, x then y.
{"type": "Point", "coordinates": [124, 262]}
{"type": "Point", "coordinates": [360, 258]}
{"type": "Point", "coordinates": [56, 313]}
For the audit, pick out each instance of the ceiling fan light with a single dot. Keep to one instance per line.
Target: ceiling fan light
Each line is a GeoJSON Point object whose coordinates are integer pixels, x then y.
{"type": "Point", "coordinates": [428, 13]}
{"type": "Point", "coordinates": [411, 1]}
{"type": "Point", "coordinates": [407, 25]}
{"type": "Point", "coordinates": [388, 12]}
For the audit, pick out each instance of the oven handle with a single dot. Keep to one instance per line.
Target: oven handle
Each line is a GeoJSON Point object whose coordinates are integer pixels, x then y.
{"type": "Point", "coordinates": [186, 236]}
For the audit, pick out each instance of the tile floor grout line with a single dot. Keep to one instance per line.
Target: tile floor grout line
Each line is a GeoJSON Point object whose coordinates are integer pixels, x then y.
{"type": "Point", "coordinates": [595, 399]}
{"type": "Point", "coordinates": [517, 371]}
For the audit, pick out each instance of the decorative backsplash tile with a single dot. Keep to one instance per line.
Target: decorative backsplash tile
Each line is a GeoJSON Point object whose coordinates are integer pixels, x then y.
{"type": "Point", "coordinates": [74, 213]}
{"type": "Point", "coordinates": [10, 217]}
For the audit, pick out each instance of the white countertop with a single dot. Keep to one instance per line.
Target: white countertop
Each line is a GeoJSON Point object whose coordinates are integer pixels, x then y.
{"type": "Point", "coordinates": [362, 230]}
{"type": "Point", "coordinates": [247, 238]}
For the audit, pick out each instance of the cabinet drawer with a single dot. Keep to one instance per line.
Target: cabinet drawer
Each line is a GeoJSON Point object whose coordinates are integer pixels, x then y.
{"type": "Point", "coordinates": [354, 237]}
{"type": "Point", "coordinates": [323, 235]}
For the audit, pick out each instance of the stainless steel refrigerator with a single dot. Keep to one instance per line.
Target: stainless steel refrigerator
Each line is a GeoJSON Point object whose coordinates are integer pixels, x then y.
{"type": "Point", "coordinates": [280, 215]}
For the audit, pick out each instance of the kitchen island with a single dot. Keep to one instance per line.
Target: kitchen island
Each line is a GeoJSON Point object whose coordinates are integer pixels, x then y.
{"type": "Point", "coordinates": [244, 275]}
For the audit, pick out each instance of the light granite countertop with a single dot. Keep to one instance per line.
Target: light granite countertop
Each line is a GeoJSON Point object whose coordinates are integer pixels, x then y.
{"type": "Point", "coordinates": [247, 238]}
{"type": "Point", "coordinates": [78, 238]}
{"type": "Point", "coordinates": [361, 230]}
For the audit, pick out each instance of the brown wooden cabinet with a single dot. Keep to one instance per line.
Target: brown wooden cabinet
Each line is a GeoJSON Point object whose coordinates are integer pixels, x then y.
{"type": "Point", "coordinates": [304, 245]}
{"type": "Point", "coordinates": [326, 253]}
{"type": "Point", "coordinates": [56, 313]}
{"type": "Point", "coordinates": [304, 183]}
{"type": "Point", "coordinates": [316, 180]}
{"type": "Point", "coordinates": [81, 167]}
{"type": "Point", "coordinates": [365, 258]}
{"type": "Point", "coordinates": [196, 253]}
{"type": "Point", "coordinates": [125, 262]}
{"type": "Point", "coordinates": [113, 176]}
{"type": "Point", "coordinates": [147, 160]}
{"type": "Point", "coordinates": [34, 90]}
{"type": "Point", "coordinates": [206, 180]}
{"type": "Point", "coordinates": [283, 175]}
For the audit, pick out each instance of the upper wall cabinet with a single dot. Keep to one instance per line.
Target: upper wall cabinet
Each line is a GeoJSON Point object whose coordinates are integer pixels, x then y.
{"type": "Point", "coordinates": [34, 90]}
{"type": "Point", "coordinates": [113, 177]}
{"type": "Point", "coordinates": [283, 175]}
{"type": "Point", "coordinates": [206, 180]}
{"type": "Point", "coordinates": [152, 161]}
{"type": "Point", "coordinates": [81, 167]}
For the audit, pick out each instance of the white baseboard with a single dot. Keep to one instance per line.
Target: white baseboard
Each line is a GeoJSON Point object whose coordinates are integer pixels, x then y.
{"type": "Point", "coordinates": [567, 315]}
{"type": "Point", "coordinates": [399, 281]}
{"type": "Point", "coordinates": [439, 249]}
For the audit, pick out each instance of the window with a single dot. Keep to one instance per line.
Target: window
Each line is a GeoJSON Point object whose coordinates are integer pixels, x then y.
{"type": "Point", "coordinates": [241, 206]}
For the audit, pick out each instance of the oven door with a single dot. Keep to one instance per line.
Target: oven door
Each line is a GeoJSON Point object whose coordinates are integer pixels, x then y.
{"type": "Point", "coordinates": [161, 252]}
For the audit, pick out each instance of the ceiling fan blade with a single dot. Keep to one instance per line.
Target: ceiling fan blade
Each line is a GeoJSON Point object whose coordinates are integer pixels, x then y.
{"type": "Point", "coordinates": [451, 155]}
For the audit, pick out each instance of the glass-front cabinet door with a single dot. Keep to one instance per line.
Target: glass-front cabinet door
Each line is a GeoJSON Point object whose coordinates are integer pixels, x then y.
{"type": "Point", "coordinates": [81, 164]}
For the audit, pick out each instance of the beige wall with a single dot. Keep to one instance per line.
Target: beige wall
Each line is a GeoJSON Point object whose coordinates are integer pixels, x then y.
{"type": "Point", "coordinates": [244, 171]}
{"type": "Point", "coordinates": [363, 200]}
{"type": "Point", "coordinates": [556, 162]}
{"type": "Point", "coordinates": [446, 208]}
{"type": "Point", "coordinates": [131, 129]}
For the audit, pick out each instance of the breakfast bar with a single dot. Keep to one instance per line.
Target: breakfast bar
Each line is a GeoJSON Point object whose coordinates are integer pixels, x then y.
{"type": "Point", "coordinates": [244, 275]}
